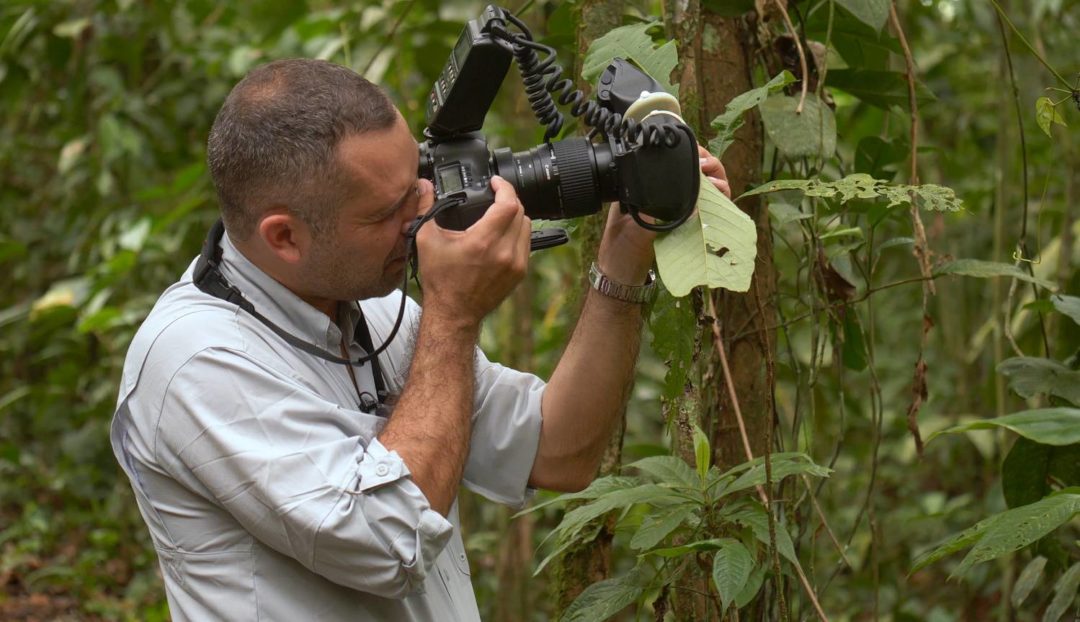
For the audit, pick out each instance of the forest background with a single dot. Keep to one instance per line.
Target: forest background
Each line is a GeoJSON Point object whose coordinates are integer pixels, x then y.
{"type": "Point", "coordinates": [868, 326]}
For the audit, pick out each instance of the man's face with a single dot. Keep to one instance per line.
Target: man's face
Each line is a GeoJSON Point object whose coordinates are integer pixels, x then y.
{"type": "Point", "coordinates": [365, 256]}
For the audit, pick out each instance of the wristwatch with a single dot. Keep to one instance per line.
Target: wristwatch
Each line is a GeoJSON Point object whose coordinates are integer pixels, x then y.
{"type": "Point", "coordinates": [639, 294]}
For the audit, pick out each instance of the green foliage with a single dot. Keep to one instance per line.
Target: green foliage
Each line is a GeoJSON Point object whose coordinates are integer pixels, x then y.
{"type": "Point", "coordinates": [602, 600]}
{"type": "Point", "coordinates": [1052, 426]}
{"type": "Point", "coordinates": [1067, 305]}
{"type": "Point", "coordinates": [732, 119]}
{"type": "Point", "coordinates": [1008, 531]}
{"type": "Point", "coordinates": [686, 513]}
{"type": "Point", "coordinates": [634, 43]}
{"type": "Point", "coordinates": [715, 247]}
{"type": "Point", "coordinates": [809, 133]}
{"type": "Point", "coordinates": [987, 269]}
{"type": "Point", "coordinates": [873, 13]}
{"type": "Point", "coordinates": [884, 89]}
{"type": "Point", "coordinates": [1030, 376]}
{"type": "Point", "coordinates": [732, 565]}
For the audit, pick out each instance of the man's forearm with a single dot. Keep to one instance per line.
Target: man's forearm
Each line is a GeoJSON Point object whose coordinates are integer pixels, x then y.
{"type": "Point", "coordinates": [587, 393]}
{"type": "Point", "coordinates": [432, 422]}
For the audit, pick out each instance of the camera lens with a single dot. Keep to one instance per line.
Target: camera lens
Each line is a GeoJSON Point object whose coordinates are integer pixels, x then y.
{"type": "Point", "coordinates": [565, 179]}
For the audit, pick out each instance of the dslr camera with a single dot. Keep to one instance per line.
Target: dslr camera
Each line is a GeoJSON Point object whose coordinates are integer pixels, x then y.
{"type": "Point", "coordinates": [638, 152]}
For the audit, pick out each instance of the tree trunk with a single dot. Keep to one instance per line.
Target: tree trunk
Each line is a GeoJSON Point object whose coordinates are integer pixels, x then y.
{"type": "Point", "coordinates": [585, 564]}
{"type": "Point", "coordinates": [715, 64]}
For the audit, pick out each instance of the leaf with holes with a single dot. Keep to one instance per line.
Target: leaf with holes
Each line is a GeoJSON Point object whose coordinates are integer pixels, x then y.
{"type": "Point", "coordinates": [716, 247]}
{"type": "Point", "coordinates": [1014, 529]}
{"type": "Point", "coordinates": [865, 187]}
{"type": "Point", "coordinates": [633, 43]}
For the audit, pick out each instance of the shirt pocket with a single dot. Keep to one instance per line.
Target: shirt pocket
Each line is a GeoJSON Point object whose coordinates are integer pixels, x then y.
{"type": "Point", "coordinates": [456, 550]}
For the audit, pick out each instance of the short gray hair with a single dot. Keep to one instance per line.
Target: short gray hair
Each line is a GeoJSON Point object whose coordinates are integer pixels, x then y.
{"type": "Point", "coordinates": [274, 139]}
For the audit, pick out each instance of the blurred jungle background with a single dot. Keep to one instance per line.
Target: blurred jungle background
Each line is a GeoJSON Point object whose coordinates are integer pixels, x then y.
{"type": "Point", "coordinates": [868, 327]}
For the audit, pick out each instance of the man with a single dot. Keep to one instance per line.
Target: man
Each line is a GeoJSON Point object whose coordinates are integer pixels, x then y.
{"type": "Point", "coordinates": [271, 486]}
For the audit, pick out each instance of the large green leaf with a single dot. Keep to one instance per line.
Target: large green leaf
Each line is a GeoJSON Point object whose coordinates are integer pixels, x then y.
{"type": "Point", "coordinates": [781, 466]}
{"type": "Point", "coordinates": [873, 13]}
{"type": "Point", "coordinates": [659, 525]}
{"type": "Point", "coordinates": [883, 89]}
{"type": "Point", "coordinates": [1052, 426]}
{"type": "Point", "coordinates": [633, 43]}
{"type": "Point", "coordinates": [598, 488]}
{"type": "Point", "coordinates": [716, 247]}
{"type": "Point", "coordinates": [1007, 531]}
{"type": "Point", "coordinates": [732, 118]}
{"type": "Point", "coordinates": [810, 134]}
{"type": "Point", "coordinates": [1016, 528]}
{"type": "Point", "coordinates": [986, 269]}
{"type": "Point", "coordinates": [731, 570]}
{"type": "Point", "coordinates": [754, 517]}
{"type": "Point", "coordinates": [667, 469]}
{"type": "Point", "coordinates": [1065, 593]}
{"type": "Point", "coordinates": [602, 600]}
{"type": "Point", "coordinates": [1031, 376]}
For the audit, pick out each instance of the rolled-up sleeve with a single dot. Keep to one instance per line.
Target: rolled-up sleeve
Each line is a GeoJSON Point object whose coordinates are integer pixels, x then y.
{"type": "Point", "coordinates": [303, 475]}
{"type": "Point", "coordinates": [506, 432]}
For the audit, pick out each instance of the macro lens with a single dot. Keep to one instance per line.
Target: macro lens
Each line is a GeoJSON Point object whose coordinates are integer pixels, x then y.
{"type": "Point", "coordinates": [566, 179]}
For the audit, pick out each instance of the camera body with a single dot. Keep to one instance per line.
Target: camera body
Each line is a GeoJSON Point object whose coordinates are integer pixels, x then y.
{"type": "Point", "coordinates": [563, 179]}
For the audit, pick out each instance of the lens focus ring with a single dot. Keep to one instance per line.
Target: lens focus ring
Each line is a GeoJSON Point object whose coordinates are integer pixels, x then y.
{"type": "Point", "coordinates": [577, 176]}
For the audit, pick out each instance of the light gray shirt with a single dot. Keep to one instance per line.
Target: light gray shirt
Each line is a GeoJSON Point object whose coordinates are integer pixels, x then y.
{"type": "Point", "coordinates": [267, 494]}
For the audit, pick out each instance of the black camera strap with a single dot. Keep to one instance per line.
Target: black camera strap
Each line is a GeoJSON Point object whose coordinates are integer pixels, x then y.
{"type": "Point", "coordinates": [210, 280]}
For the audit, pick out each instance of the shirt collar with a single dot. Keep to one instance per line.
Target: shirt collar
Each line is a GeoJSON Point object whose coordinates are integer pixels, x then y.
{"type": "Point", "coordinates": [281, 306]}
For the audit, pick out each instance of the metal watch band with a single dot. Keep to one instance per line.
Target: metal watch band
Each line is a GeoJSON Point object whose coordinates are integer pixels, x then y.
{"type": "Point", "coordinates": [639, 294]}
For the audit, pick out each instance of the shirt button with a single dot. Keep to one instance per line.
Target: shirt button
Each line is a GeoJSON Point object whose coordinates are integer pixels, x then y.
{"type": "Point", "coordinates": [381, 470]}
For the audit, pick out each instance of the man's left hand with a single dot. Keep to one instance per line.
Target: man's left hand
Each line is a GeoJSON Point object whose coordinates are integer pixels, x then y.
{"type": "Point", "coordinates": [626, 251]}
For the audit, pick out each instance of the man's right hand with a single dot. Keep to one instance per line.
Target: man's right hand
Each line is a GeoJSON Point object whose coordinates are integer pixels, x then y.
{"type": "Point", "coordinates": [468, 273]}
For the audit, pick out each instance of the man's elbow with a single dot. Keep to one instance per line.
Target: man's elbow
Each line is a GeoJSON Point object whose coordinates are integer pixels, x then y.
{"type": "Point", "coordinates": [564, 480]}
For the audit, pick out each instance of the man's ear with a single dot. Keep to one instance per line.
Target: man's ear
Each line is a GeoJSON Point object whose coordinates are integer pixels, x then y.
{"type": "Point", "coordinates": [285, 235]}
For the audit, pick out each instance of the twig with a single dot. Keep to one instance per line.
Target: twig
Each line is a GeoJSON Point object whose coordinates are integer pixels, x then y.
{"type": "Point", "coordinates": [921, 250]}
{"type": "Point", "coordinates": [719, 344]}
{"type": "Point", "coordinates": [1022, 242]}
{"type": "Point", "coordinates": [799, 49]}
{"type": "Point", "coordinates": [825, 523]}
{"type": "Point", "coordinates": [1005, 17]}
